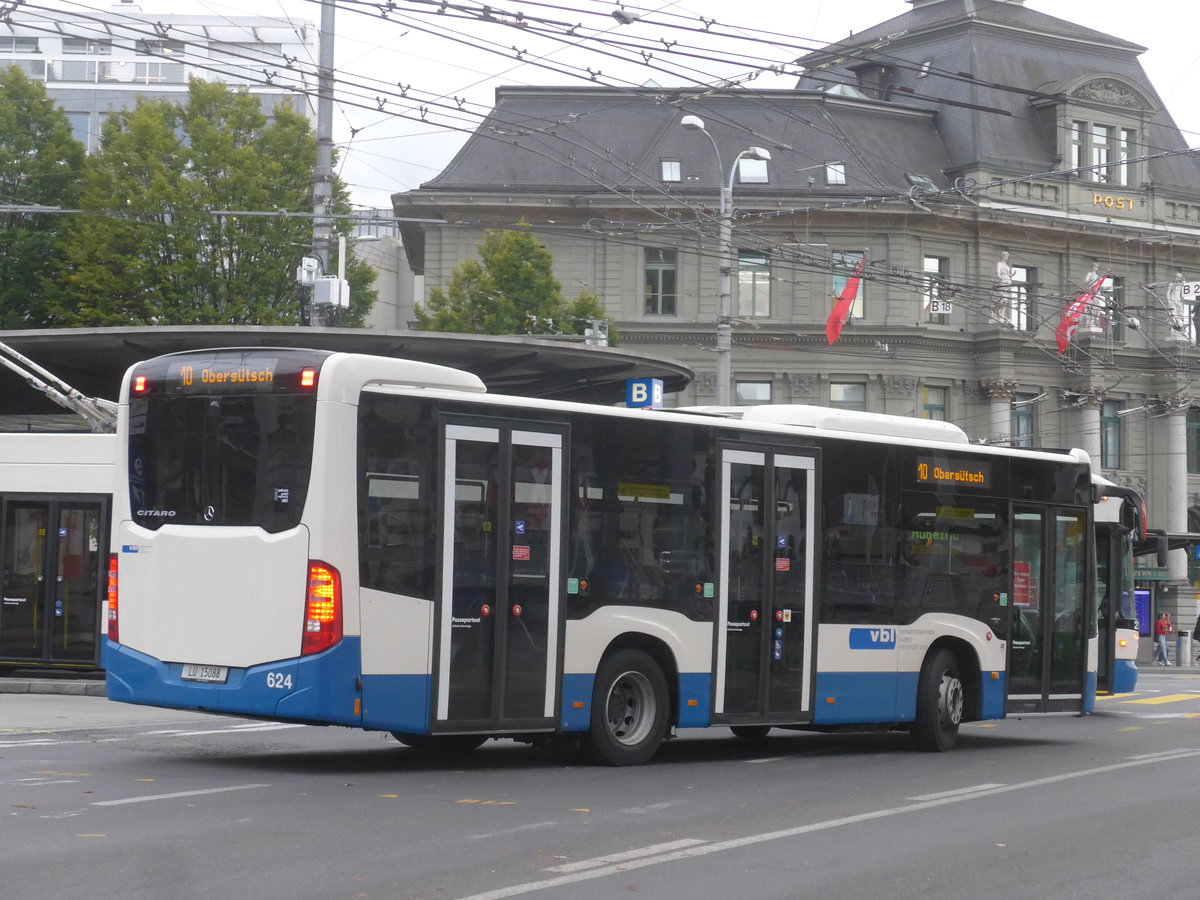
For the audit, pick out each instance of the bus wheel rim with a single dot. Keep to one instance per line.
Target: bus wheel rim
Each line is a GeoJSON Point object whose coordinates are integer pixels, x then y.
{"type": "Point", "coordinates": [629, 712]}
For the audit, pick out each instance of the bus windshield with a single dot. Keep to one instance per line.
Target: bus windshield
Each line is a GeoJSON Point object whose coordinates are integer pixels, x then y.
{"type": "Point", "coordinates": [211, 450]}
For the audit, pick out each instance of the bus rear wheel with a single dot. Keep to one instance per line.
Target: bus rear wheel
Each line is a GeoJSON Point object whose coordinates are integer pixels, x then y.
{"type": "Point", "coordinates": [440, 744]}
{"type": "Point", "coordinates": [939, 703]}
{"type": "Point", "coordinates": [629, 709]}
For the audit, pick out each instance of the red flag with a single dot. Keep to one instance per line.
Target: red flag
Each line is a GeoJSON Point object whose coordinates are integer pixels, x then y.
{"type": "Point", "coordinates": [841, 307]}
{"type": "Point", "coordinates": [1073, 313]}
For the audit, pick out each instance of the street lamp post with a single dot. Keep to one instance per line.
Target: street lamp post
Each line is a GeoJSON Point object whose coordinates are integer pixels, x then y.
{"type": "Point", "coordinates": [725, 240]}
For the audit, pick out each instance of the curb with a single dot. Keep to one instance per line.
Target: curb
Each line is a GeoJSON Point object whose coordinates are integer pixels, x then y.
{"type": "Point", "coordinates": [51, 686]}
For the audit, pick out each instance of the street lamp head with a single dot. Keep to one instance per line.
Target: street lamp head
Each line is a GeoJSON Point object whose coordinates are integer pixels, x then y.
{"type": "Point", "coordinates": [693, 123]}
{"type": "Point", "coordinates": [756, 153]}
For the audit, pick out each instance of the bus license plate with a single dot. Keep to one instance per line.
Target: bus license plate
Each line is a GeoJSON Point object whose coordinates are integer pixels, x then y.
{"type": "Point", "coordinates": [196, 672]}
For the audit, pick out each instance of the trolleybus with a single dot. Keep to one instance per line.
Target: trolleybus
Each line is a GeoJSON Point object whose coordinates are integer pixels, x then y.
{"type": "Point", "coordinates": [339, 539]}
{"type": "Point", "coordinates": [1120, 526]}
{"type": "Point", "coordinates": [55, 491]}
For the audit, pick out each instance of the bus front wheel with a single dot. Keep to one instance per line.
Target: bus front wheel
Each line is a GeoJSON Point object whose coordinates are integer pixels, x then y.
{"type": "Point", "coordinates": [629, 709]}
{"type": "Point", "coordinates": [939, 703]}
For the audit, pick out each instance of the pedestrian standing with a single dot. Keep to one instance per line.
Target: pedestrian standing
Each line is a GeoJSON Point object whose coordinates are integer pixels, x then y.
{"type": "Point", "coordinates": [1162, 627]}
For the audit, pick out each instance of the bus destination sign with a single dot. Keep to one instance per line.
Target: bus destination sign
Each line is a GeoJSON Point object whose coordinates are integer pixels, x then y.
{"type": "Point", "coordinates": [966, 473]}
{"type": "Point", "coordinates": [223, 374]}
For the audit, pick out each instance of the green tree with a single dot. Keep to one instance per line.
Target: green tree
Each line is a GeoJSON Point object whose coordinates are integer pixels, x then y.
{"type": "Point", "coordinates": [158, 245]}
{"type": "Point", "coordinates": [510, 289]}
{"type": "Point", "coordinates": [40, 165]}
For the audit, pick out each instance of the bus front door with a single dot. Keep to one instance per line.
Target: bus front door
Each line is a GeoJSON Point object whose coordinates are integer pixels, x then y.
{"type": "Point", "coordinates": [1049, 622]}
{"type": "Point", "coordinates": [765, 618]}
{"type": "Point", "coordinates": [498, 624]}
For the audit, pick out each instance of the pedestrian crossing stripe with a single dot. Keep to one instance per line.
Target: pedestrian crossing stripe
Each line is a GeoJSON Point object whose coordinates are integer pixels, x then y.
{"type": "Point", "coordinates": [1165, 698]}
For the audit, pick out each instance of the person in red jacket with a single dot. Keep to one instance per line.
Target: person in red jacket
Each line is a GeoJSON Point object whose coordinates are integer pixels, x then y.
{"type": "Point", "coordinates": [1162, 627]}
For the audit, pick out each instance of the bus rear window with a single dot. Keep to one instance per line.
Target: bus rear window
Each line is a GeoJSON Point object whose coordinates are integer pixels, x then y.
{"type": "Point", "coordinates": [231, 453]}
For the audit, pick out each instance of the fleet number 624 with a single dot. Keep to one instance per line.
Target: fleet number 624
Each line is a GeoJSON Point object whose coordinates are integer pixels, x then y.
{"type": "Point", "coordinates": [279, 680]}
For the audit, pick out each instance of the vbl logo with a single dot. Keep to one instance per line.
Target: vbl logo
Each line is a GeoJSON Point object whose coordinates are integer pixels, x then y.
{"type": "Point", "coordinates": [872, 638]}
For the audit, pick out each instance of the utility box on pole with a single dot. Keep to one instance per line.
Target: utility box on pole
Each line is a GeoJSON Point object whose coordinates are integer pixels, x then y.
{"type": "Point", "coordinates": [329, 290]}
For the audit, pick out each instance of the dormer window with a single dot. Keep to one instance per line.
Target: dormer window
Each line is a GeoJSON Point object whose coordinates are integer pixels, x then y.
{"type": "Point", "coordinates": [671, 170]}
{"type": "Point", "coordinates": [1101, 152]}
{"type": "Point", "coordinates": [1097, 127]}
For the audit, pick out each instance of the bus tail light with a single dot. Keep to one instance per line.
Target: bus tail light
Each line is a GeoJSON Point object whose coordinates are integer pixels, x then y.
{"type": "Point", "coordinates": [322, 609]}
{"type": "Point", "coordinates": [114, 633]}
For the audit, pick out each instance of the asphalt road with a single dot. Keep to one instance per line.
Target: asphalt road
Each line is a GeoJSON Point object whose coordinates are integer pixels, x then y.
{"type": "Point", "coordinates": [106, 801]}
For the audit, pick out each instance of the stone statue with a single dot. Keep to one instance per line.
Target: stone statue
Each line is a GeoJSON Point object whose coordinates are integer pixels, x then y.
{"type": "Point", "coordinates": [1095, 317]}
{"type": "Point", "coordinates": [1004, 295]}
{"type": "Point", "coordinates": [1177, 309]}
{"type": "Point", "coordinates": [1004, 271]}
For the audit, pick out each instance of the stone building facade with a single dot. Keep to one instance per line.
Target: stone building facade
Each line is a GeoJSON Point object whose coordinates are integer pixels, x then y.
{"type": "Point", "coordinates": [990, 167]}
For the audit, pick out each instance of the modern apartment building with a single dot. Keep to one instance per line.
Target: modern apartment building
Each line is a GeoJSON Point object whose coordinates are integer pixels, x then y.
{"type": "Point", "coordinates": [96, 62]}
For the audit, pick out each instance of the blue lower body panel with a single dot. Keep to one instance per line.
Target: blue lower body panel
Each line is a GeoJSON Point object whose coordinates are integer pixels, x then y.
{"type": "Point", "coordinates": [695, 701]}
{"type": "Point", "coordinates": [991, 695]}
{"type": "Point", "coordinates": [320, 690]}
{"type": "Point", "coordinates": [859, 698]}
{"type": "Point", "coordinates": [397, 702]}
{"type": "Point", "coordinates": [1124, 676]}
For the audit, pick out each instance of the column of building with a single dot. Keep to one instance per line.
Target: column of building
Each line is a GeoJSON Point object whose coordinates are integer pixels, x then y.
{"type": "Point", "coordinates": [1168, 472]}
{"type": "Point", "coordinates": [1000, 396]}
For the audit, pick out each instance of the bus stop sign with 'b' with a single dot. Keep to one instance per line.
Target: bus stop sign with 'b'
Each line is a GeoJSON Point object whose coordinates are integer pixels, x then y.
{"type": "Point", "coordinates": [644, 393]}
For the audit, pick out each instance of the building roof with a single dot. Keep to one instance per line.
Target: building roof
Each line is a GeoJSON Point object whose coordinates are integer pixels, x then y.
{"type": "Point", "coordinates": [93, 361]}
{"type": "Point", "coordinates": [989, 63]}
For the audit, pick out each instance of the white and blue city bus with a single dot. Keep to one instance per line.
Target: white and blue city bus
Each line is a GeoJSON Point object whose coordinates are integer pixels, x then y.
{"type": "Point", "coordinates": [1120, 527]}
{"type": "Point", "coordinates": [332, 538]}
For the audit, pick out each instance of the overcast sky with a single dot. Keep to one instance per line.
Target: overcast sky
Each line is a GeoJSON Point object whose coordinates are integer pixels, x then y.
{"type": "Point", "coordinates": [384, 152]}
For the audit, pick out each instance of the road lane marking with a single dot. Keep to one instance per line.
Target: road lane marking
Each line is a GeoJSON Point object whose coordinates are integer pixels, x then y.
{"type": "Point", "coordinates": [701, 848]}
{"type": "Point", "coordinates": [177, 794]}
{"type": "Point", "coordinates": [532, 826]}
{"type": "Point", "coordinates": [613, 859]}
{"type": "Point", "coordinates": [967, 790]}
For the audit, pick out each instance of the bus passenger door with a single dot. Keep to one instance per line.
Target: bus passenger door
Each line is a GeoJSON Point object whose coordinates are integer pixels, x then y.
{"type": "Point", "coordinates": [1049, 620]}
{"type": "Point", "coordinates": [498, 623]}
{"type": "Point", "coordinates": [765, 616]}
{"type": "Point", "coordinates": [54, 554]}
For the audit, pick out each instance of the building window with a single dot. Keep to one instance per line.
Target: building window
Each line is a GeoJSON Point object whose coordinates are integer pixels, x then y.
{"type": "Point", "coordinates": [1021, 297]}
{"type": "Point", "coordinates": [1107, 308]}
{"type": "Point", "coordinates": [848, 395]}
{"type": "Point", "coordinates": [81, 129]}
{"type": "Point", "coordinates": [752, 393]}
{"type": "Point", "coordinates": [1193, 443]}
{"type": "Point", "coordinates": [87, 47]}
{"type": "Point", "coordinates": [1110, 434]}
{"type": "Point", "coordinates": [160, 48]}
{"type": "Point", "coordinates": [844, 265]}
{"type": "Point", "coordinates": [933, 403]}
{"type": "Point", "coordinates": [835, 172]}
{"type": "Point", "coordinates": [752, 171]}
{"type": "Point", "coordinates": [1023, 408]}
{"type": "Point", "coordinates": [660, 274]}
{"type": "Point", "coordinates": [671, 170]}
{"type": "Point", "coordinates": [1104, 151]}
{"type": "Point", "coordinates": [10, 44]}
{"type": "Point", "coordinates": [753, 283]}
{"type": "Point", "coordinates": [934, 308]}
